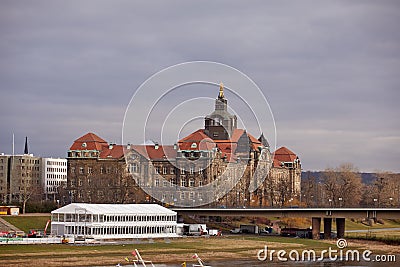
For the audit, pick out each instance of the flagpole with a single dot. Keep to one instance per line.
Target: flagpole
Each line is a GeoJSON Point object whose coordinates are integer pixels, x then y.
{"type": "Point", "coordinates": [12, 165]}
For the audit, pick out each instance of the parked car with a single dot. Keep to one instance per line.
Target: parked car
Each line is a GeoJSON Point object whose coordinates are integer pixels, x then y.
{"type": "Point", "coordinates": [265, 231]}
{"type": "Point", "coordinates": [236, 231]}
{"type": "Point", "coordinates": [35, 234]}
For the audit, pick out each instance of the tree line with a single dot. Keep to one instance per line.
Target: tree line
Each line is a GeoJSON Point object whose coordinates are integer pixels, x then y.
{"type": "Point", "coordinates": [342, 186]}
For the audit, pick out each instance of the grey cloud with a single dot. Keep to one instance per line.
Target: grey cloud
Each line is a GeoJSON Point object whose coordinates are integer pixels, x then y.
{"type": "Point", "coordinates": [68, 67]}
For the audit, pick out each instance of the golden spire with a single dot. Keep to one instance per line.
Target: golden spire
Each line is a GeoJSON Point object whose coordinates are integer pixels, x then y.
{"type": "Point", "coordinates": [221, 90]}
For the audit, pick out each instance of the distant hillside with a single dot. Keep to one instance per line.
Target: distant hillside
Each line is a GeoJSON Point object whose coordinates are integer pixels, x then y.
{"type": "Point", "coordinates": [366, 177]}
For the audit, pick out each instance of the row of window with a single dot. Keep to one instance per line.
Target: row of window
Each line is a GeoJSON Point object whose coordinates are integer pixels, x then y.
{"type": "Point", "coordinates": [30, 175]}
{"type": "Point", "coordinates": [166, 183]}
{"type": "Point", "coordinates": [118, 230]}
{"type": "Point", "coordinates": [49, 169]}
{"type": "Point", "coordinates": [84, 154]}
{"type": "Point", "coordinates": [52, 190]}
{"type": "Point", "coordinates": [79, 194]}
{"type": "Point", "coordinates": [23, 161]}
{"type": "Point", "coordinates": [103, 170]}
{"type": "Point", "coordinates": [56, 176]}
{"type": "Point", "coordinates": [99, 182]}
{"type": "Point", "coordinates": [29, 161]}
{"type": "Point", "coordinates": [183, 196]}
{"type": "Point", "coordinates": [54, 183]}
{"type": "Point", "coordinates": [81, 217]}
{"type": "Point", "coordinates": [135, 168]}
{"type": "Point", "coordinates": [192, 170]}
{"type": "Point", "coordinates": [29, 168]}
{"type": "Point", "coordinates": [23, 181]}
{"type": "Point", "coordinates": [56, 163]}
{"type": "Point", "coordinates": [191, 195]}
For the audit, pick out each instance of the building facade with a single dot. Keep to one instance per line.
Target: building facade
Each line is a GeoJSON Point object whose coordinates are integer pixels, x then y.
{"type": "Point", "coordinates": [97, 173]}
{"type": "Point", "coordinates": [20, 178]}
{"type": "Point", "coordinates": [54, 176]}
{"type": "Point", "coordinates": [219, 155]}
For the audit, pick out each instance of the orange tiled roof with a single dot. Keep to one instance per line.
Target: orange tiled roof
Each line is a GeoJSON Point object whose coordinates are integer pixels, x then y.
{"type": "Point", "coordinates": [277, 163]}
{"type": "Point", "coordinates": [283, 154]}
{"type": "Point", "coordinates": [204, 142]}
{"type": "Point", "coordinates": [195, 136]}
{"type": "Point", "coordinates": [116, 152]}
{"type": "Point", "coordinates": [93, 142]}
{"type": "Point", "coordinates": [150, 152]}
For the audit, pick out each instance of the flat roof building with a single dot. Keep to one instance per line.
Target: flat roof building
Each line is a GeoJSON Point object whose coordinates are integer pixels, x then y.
{"type": "Point", "coordinates": [113, 221]}
{"type": "Point", "coordinates": [54, 175]}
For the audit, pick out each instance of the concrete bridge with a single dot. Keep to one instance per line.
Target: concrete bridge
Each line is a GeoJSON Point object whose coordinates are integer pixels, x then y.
{"type": "Point", "coordinates": [316, 214]}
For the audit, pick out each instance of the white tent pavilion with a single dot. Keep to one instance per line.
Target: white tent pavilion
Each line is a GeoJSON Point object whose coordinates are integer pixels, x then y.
{"type": "Point", "coordinates": [113, 221]}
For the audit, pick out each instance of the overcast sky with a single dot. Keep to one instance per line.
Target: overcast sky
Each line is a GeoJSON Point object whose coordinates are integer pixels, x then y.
{"type": "Point", "coordinates": [329, 69]}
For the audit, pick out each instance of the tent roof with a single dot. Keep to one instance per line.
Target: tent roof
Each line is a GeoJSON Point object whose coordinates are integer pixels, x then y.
{"type": "Point", "coordinates": [114, 209]}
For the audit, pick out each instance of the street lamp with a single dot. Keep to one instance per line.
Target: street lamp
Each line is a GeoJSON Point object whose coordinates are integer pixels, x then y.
{"type": "Point", "coordinates": [390, 201]}
{"type": "Point", "coordinates": [290, 202]}
{"type": "Point", "coordinates": [375, 201]}
{"type": "Point", "coordinates": [330, 202]}
{"type": "Point", "coordinates": [340, 202]}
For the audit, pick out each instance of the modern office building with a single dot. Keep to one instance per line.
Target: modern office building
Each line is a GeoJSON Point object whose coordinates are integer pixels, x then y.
{"type": "Point", "coordinates": [54, 175]}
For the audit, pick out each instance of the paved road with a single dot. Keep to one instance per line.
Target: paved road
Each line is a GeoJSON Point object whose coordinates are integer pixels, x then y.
{"type": "Point", "coordinates": [373, 230]}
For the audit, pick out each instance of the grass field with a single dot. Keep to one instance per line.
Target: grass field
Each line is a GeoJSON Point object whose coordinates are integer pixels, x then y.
{"type": "Point", "coordinates": [174, 251]}
{"type": "Point", "coordinates": [388, 237]}
{"type": "Point", "coordinates": [25, 223]}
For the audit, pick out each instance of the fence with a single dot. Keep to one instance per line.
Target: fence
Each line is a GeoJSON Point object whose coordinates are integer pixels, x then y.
{"type": "Point", "coordinates": [26, 241]}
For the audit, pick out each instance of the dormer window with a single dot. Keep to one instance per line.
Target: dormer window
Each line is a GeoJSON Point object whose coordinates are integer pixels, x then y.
{"type": "Point", "coordinates": [194, 145]}
{"type": "Point", "coordinates": [84, 145]}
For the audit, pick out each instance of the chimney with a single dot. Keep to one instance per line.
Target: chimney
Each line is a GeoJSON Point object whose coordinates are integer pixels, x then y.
{"type": "Point", "coordinates": [111, 146]}
{"type": "Point", "coordinates": [175, 146]}
{"type": "Point", "coordinates": [128, 146]}
{"type": "Point", "coordinates": [156, 146]}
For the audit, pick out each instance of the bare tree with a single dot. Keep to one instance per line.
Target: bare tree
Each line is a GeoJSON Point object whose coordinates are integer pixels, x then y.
{"type": "Point", "coordinates": [282, 187]}
{"type": "Point", "coordinates": [385, 190]}
{"type": "Point", "coordinates": [342, 186]}
{"type": "Point", "coordinates": [29, 189]}
{"type": "Point", "coordinates": [309, 190]}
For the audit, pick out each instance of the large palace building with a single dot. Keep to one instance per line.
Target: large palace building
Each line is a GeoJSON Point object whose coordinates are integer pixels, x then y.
{"type": "Point", "coordinates": [219, 165]}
